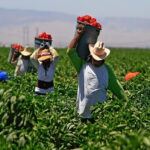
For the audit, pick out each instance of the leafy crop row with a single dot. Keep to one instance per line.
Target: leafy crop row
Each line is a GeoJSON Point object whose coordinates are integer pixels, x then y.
{"type": "Point", "coordinates": [51, 122]}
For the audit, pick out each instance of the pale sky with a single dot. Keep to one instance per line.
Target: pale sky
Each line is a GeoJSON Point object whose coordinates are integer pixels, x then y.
{"type": "Point", "coordinates": [101, 8]}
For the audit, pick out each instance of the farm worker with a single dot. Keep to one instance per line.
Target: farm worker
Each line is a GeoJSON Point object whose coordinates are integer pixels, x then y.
{"type": "Point", "coordinates": [94, 76]}
{"type": "Point", "coordinates": [23, 61]}
{"type": "Point", "coordinates": [45, 61]}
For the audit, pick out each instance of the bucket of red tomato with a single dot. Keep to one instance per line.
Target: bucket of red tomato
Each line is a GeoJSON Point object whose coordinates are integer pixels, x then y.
{"type": "Point", "coordinates": [14, 52]}
{"type": "Point", "coordinates": [43, 37]}
{"type": "Point", "coordinates": [91, 33]}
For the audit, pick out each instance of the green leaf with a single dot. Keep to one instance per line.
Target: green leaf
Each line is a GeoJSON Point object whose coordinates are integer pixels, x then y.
{"type": "Point", "coordinates": [22, 141]}
{"type": "Point", "coordinates": [1, 91]}
{"type": "Point", "coordinates": [146, 141]}
{"type": "Point", "coordinates": [11, 137]}
{"type": "Point", "coordinates": [13, 99]}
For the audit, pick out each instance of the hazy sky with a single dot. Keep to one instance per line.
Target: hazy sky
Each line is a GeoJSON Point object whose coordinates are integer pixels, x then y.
{"type": "Point", "coordinates": [102, 8]}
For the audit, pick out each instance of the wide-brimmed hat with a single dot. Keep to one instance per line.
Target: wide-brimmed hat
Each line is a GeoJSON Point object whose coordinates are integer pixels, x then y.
{"type": "Point", "coordinates": [44, 55]}
{"type": "Point", "coordinates": [98, 51]}
{"type": "Point", "coordinates": [26, 51]}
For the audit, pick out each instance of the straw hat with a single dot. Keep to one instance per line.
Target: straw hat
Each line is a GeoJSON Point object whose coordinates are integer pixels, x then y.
{"type": "Point", "coordinates": [26, 51]}
{"type": "Point", "coordinates": [44, 55]}
{"type": "Point", "coordinates": [98, 51]}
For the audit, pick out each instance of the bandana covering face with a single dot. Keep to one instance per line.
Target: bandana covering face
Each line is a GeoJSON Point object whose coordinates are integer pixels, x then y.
{"type": "Point", "coordinates": [45, 54]}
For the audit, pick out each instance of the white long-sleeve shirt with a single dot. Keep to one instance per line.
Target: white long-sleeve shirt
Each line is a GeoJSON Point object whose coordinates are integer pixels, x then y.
{"type": "Point", "coordinates": [42, 76]}
{"type": "Point", "coordinates": [92, 87]}
{"type": "Point", "coordinates": [22, 66]}
{"type": "Point", "coordinates": [93, 83]}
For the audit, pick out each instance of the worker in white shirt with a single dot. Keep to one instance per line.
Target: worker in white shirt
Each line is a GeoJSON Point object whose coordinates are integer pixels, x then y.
{"type": "Point", "coordinates": [23, 62]}
{"type": "Point", "coordinates": [44, 61]}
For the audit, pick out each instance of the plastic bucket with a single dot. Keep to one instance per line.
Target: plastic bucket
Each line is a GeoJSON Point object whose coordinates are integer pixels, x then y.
{"type": "Point", "coordinates": [38, 42]}
{"type": "Point", "coordinates": [89, 36]}
{"type": "Point", "coordinates": [13, 55]}
{"type": "Point", "coordinates": [11, 52]}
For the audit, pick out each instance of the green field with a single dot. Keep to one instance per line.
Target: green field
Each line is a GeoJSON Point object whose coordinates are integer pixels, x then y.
{"type": "Point", "coordinates": [51, 122]}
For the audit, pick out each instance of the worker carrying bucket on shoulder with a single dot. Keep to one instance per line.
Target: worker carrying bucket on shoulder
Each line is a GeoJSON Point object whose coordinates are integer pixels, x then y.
{"type": "Point", "coordinates": [94, 75]}
{"type": "Point", "coordinates": [23, 61]}
{"type": "Point", "coordinates": [44, 59]}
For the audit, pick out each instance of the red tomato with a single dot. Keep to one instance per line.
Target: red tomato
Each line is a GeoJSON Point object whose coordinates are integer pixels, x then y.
{"type": "Point", "coordinates": [99, 25]}
{"type": "Point", "coordinates": [87, 18]}
{"type": "Point", "coordinates": [49, 36]}
{"type": "Point", "coordinates": [94, 24]}
{"type": "Point", "coordinates": [86, 22]}
{"type": "Point", "coordinates": [79, 18]}
{"type": "Point", "coordinates": [92, 20]}
{"type": "Point", "coordinates": [43, 35]}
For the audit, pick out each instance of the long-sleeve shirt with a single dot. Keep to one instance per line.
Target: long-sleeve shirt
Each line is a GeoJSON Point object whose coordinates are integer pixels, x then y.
{"type": "Point", "coordinates": [47, 77]}
{"type": "Point", "coordinates": [93, 83]}
{"type": "Point", "coordinates": [22, 66]}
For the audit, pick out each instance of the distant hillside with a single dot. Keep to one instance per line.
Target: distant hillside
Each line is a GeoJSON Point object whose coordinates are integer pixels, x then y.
{"type": "Point", "coordinates": [18, 17]}
{"type": "Point", "coordinates": [15, 17]}
{"type": "Point", "coordinates": [126, 23]}
{"type": "Point", "coordinates": [21, 26]}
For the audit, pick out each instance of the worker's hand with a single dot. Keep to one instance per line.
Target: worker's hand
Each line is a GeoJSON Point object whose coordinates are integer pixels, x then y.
{"type": "Point", "coordinates": [79, 33]}
{"type": "Point", "coordinates": [53, 51]}
{"type": "Point", "coordinates": [80, 29]}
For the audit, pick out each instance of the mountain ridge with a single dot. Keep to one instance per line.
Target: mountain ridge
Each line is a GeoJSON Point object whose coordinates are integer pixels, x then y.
{"type": "Point", "coordinates": [116, 31]}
